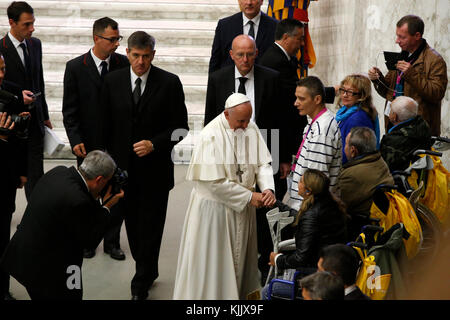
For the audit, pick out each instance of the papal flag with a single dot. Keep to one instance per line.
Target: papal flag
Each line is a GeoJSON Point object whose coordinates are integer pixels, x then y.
{"type": "Point", "coordinates": [297, 9]}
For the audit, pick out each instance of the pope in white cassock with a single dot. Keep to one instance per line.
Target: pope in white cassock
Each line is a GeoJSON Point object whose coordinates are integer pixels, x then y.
{"type": "Point", "coordinates": [218, 257]}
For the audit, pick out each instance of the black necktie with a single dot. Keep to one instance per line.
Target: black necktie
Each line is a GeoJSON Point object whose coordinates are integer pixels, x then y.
{"type": "Point", "coordinates": [104, 71]}
{"type": "Point", "coordinates": [137, 91]}
{"type": "Point", "coordinates": [241, 88]}
{"type": "Point", "coordinates": [251, 32]}
{"type": "Point", "coordinates": [26, 58]}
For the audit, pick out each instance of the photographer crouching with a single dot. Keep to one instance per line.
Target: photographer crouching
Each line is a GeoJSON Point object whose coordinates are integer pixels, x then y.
{"type": "Point", "coordinates": [65, 214]}
{"type": "Point", "coordinates": [13, 154]}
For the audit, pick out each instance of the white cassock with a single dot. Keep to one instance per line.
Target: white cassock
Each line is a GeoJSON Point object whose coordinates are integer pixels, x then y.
{"type": "Point", "coordinates": [218, 257]}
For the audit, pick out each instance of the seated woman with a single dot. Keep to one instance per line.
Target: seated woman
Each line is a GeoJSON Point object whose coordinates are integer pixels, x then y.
{"type": "Point", "coordinates": [356, 107]}
{"type": "Point", "coordinates": [321, 221]}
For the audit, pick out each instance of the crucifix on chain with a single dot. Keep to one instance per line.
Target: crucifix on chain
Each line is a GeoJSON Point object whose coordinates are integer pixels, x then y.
{"type": "Point", "coordinates": [239, 172]}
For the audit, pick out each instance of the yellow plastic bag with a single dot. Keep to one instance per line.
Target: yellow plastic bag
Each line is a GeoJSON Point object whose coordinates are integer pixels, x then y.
{"type": "Point", "coordinates": [437, 193]}
{"type": "Point", "coordinates": [370, 280]}
{"type": "Point", "coordinates": [400, 210]}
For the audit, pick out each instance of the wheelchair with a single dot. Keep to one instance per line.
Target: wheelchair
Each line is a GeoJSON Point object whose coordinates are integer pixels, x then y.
{"type": "Point", "coordinates": [431, 226]}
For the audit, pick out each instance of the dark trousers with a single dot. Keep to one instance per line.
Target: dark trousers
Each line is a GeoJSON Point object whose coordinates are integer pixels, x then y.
{"type": "Point", "coordinates": [7, 201]}
{"type": "Point", "coordinates": [5, 228]}
{"type": "Point", "coordinates": [144, 220]}
{"type": "Point", "coordinates": [35, 158]}
{"type": "Point", "coordinates": [38, 294]}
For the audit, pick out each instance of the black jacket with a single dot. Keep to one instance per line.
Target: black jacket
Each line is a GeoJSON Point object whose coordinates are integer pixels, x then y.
{"type": "Point", "coordinates": [60, 220]}
{"type": "Point", "coordinates": [15, 72]}
{"type": "Point", "coordinates": [230, 27]}
{"type": "Point", "coordinates": [356, 295]}
{"type": "Point", "coordinates": [221, 84]}
{"type": "Point", "coordinates": [398, 145]}
{"type": "Point", "coordinates": [160, 117]}
{"type": "Point", "coordinates": [81, 101]}
{"type": "Point", "coordinates": [323, 224]}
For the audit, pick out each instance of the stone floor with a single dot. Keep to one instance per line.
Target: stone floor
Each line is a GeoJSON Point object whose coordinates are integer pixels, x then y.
{"type": "Point", "coordinates": [108, 279]}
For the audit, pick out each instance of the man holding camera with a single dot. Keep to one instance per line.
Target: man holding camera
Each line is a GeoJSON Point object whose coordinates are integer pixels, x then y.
{"type": "Point", "coordinates": [12, 161]}
{"type": "Point", "coordinates": [64, 215]}
{"type": "Point", "coordinates": [23, 57]}
{"type": "Point", "coordinates": [421, 73]}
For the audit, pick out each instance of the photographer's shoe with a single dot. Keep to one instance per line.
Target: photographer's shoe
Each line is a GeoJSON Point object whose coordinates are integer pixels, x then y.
{"type": "Point", "coordinates": [87, 253]}
{"type": "Point", "coordinates": [115, 253]}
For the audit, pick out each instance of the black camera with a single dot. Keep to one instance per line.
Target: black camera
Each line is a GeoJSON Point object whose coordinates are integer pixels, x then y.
{"type": "Point", "coordinates": [9, 103]}
{"type": "Point", "coordinates": [118, 181]}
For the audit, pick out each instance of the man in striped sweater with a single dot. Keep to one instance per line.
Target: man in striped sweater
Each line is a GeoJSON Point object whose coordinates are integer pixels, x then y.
{"type": "Point", "coordinates": [320, 145]}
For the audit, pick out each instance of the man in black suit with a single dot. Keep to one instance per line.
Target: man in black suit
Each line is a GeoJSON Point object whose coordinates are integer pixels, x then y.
{"type": "Point", "coordinates": [83, 79]}
{"type": "Point", "coordinates": [260, 84]}
{"type": "Point", "coordinates": [63, 216]}
{"type": "Point", "coordinates": [342, 261]}
{"type": "Point", "coordinates": [251, 21]}
{"type": "Point", "coordinates": [244, 76]}
{"type": "Point", "coordinates": [13, 162]}
{"type": "Point", "coordinates": [23, 56]}
{"type": "Point", "coordinates": [281, 56]}
{"type": "Point", "coordinates": [289, 36]}
{"type": "Point", "coordinates": [144, 114]}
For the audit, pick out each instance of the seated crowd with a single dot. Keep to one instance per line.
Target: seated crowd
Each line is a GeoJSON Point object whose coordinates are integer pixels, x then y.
{"type": "Point", "coordinates": [327, 267]}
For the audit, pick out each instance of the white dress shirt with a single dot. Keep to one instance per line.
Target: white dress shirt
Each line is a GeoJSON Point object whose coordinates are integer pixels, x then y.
{"type": "Point", "coordinates": [98, 62]}
{"type": "Point", "coordinates": [134, 77]}
{"type": "Point", "coordinates": [16, 43]}
{"type": "Point", "coordinates": [255, 20]}
{"type": "Point", "coordinates": [249, 87]}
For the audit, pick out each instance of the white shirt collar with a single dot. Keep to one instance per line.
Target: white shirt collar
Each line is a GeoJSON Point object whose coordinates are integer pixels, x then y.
{"type": "Point", "coordinates": [282, 49]}
{"type": "Point", "coordinates": [143, 77]}
{"type": "Point", "coordinates": [255, 20]}
{"type": "Point", "coordinates": [250, 75]}
{"type": "Point", "coordinates": [98, 61]}
{"type": "Point", "coordinates": [350, 289]}
{"type": "Point", "coordinates": [15, 42]}
{"type": "Point", "coordinates": [84, 180]}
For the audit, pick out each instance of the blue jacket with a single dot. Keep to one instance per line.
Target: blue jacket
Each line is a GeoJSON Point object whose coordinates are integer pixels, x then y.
{"type": "Point", "coordinates": [358, 119]}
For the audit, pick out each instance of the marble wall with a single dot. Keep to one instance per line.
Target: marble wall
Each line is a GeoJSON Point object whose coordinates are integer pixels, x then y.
{"type": "Point", "coordinates": [350, 36]}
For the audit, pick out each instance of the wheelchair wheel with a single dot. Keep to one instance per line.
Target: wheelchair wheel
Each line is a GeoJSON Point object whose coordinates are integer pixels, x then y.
{"type": "Point", "coordinates": [431, 231]}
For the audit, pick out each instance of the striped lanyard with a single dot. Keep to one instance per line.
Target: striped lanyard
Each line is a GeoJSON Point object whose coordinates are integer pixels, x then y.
{"type": "Point", "coordinates": [304, 137]}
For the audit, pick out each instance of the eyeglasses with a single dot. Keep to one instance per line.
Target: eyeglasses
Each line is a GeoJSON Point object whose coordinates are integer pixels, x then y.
{"type": "Point", "coordinates": [249, 55]}
{"type": "Point", "coordinates": [348, 92]}
{"type": "Point", "coordinates": [112, 40]}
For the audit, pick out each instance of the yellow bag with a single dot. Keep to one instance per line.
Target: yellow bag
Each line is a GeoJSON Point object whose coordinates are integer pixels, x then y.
{"type": "Point", "coordinates": [370, 280]}
{"type": "Point", "coordinates": [400, 210]}
{"type": "Point", "coordinates": [437, 193]}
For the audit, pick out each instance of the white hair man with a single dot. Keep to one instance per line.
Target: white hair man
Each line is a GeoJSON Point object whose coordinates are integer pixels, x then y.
{"type": "Point", "coordinates": [409, 133]}
{"type": "Point", "coordinates": [63, 216]}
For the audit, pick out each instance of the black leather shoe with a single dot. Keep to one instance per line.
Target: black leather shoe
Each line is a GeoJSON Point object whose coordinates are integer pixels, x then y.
{"type": "Point", "coordinates": [115, 253]}
{"type": "Point", "coordinates": [9, 297]}
{"type": "Point", "coordinates": [139, 297]}
{"type": "Point", "coordinates": [87, 253]}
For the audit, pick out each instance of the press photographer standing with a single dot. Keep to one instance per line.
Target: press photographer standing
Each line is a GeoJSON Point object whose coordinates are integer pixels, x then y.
{"type": "Point", "coordinates": [63, 216]}
{"type": "Point", "coordinates": [13, 165]}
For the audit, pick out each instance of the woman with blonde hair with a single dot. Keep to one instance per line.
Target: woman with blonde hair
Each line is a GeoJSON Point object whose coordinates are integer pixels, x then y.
{"type": "Point", "coordinates": [321, 221]}
{"type": "Point", "coordinates": [356, 107]}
